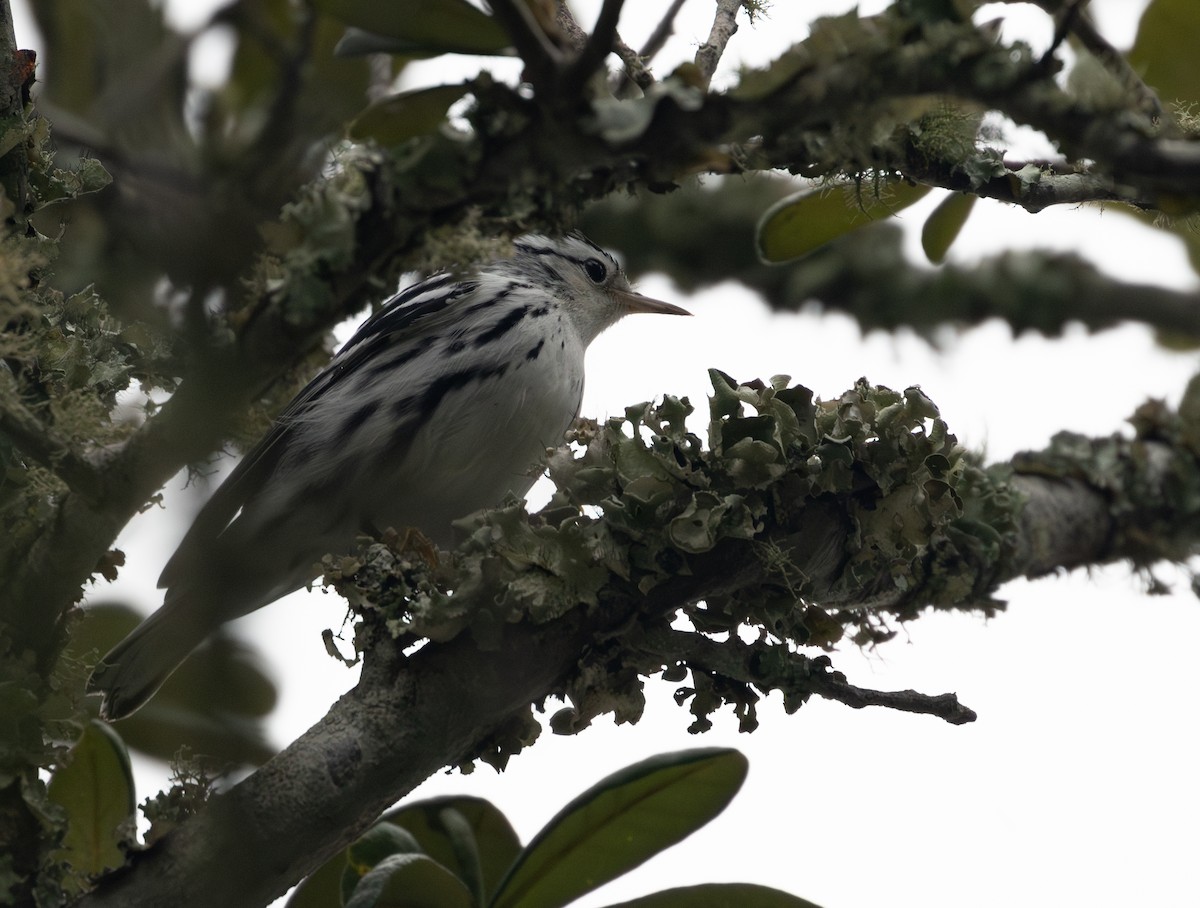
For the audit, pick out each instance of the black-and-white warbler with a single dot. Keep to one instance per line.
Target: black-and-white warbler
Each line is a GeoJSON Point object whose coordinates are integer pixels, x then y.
{"type": "Point", "coordinates": [438, 406]}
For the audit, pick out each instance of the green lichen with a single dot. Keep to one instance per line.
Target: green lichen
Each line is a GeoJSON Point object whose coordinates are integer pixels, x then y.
{"type": "Point", "coordinates": [923, 523]}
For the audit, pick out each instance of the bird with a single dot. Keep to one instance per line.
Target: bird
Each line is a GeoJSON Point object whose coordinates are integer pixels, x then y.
{"type": "Point", "coordinates": [441, 404]}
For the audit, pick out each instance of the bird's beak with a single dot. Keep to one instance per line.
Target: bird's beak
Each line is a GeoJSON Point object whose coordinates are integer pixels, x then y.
{"type": "Point", "coordinates": [635, 302]}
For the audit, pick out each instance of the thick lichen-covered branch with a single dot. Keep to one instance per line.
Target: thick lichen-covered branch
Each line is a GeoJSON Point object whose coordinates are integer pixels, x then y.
{"type": "Point", "coordinates": [802, 521]}
{"type": "Point", "coordinates": [809, 522]}
{"type": "Point", "coordinates": [45, 445]}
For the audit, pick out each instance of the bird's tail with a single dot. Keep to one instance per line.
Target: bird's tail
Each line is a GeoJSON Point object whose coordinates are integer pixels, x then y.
{"type": "Point", "coordinates": [137, 666]}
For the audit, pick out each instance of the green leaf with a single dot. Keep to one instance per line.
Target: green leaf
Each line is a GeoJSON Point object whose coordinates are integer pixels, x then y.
{"type": "Point", "coordinates": [943, 225]}
{"type": "Point", "coordinates": [468, 836]}
{"type": "Point", "coordinates": [423, 26]}
{"type": "Point", "coordinates": [356, 42]}
{"type": "Point", "coordinates": [95, 786]}
{"type": "Point", "coordinates": [322, 888]}
{"type": "Point", "coordinates": [410, 881]}
{"type": "Point", "coordinates": [797, 225]}
{"type": "Point", "coordinates": [380, 842]}
{"type": "Point", "coordinates": [1165, 49]}
{"type": "Point", "coordinates": [400, 117]}
{"type": "Point", "coordinates": [214, 703]}
{"type": "Point", "coordinates": [620, 823]}
{"type": "Point", "coordinates": [719, 895]}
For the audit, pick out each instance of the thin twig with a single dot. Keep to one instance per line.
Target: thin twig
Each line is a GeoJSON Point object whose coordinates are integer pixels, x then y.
{"type": "Point", "coordinates": [663, 31]}
{"type": "Point", "coordinates": [568, 27]}
{"type": "Point", "coordinates": [635, 67]}
{"type": "Point", "coordinates": [542, 58]}
{"type": "Point", "coordinates": [598, 46]}
{"type": "Point", "coordinates": [723, 28]}
{"type": "Point", "coordinates": [1098, 46]}
{"type": "Point", "coordinates": [832, 686]}
{"type": "Point", "coordinates": [1065, 19]}
{"type": "Point", "coordinates": [637, 71]}
{"type": "Point", "coordinates": [47, 447]}
{"type": "Point", "coordinates": [1073, 19]}
{"type": "Point", "coordinates": [794, 674]}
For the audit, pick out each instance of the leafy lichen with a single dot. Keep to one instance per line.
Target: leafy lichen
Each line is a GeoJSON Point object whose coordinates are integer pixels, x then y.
{"type": "Point", "coordinates": [920, 524]}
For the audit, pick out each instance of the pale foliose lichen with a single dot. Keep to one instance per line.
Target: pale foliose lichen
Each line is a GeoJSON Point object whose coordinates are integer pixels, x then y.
{"type": "Point", "coordinates": [643, 504]}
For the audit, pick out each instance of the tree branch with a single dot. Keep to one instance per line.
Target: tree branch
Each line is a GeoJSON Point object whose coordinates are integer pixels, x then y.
{"type": "Point", "coordinates": [48, 448]}
{"type": "Point", "coordinates": [635, 66]}
{"type": "Point", "coordinates": [867, 274]}
{"type": "Point", "coordinates": [772, 667]}
{"type": "Point", "coordinates": [1074, 19]}
{"type": "Point", "coordinates": [542, 58]}
{"type": "Point", "coordinates": [599, 45]}
{"type": "Point", "coordinates": [724, 27]}
{"type": "Point", "coordinates": [1079, 501]}
{"type": "Point", "coordinates": [662, 31]}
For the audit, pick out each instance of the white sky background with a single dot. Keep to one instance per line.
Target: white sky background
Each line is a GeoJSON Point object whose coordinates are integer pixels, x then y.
{"type": "Point", "coordinates": [1077, 785]}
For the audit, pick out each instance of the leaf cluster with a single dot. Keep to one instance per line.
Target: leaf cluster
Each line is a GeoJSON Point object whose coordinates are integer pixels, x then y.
{"type": "Point", "coordinates": [461, 852]}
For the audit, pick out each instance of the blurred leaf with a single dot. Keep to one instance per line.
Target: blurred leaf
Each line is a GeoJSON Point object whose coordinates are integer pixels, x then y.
{"type": "Point", "coordinates": [412, 113]}
{"type": "Point", "coordinates": [95, 786]}
{"type": "Point", "coordinates": [808, 220]}
{"type": "Point", "coordinates": [620, 823]}
{"type": "Point", "coordinates": [943, 225]}
{"type": "Point", "coordinates": [1165, 49]}
{"type": "Point", "coordinates": [129, 81]}
{"type": "Point", "coordinates": [410, 881]}
{"type": "Point", "coordinates": [357, 42]}
{"type": "Point", "coordinates": [322, 888]}
{"type": "Point", "coordinates": [469, 836]}
{"type": "Point", "coordinates": [214, 703]}
{"type": "Point", "coordinates": [364, 854]}
{"type": "Point", "coordinates": [423, 26]}
{"type": "Point", "coordinates": [331, 91]}
{"type": "Point", "coordinates": [719, 895]}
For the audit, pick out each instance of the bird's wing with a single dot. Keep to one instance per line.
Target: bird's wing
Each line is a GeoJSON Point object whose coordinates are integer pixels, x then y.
{"type": "Point", "coordinates": [421, 309]}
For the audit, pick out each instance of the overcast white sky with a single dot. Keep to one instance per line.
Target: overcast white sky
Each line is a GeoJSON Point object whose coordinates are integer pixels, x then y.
{"type": "Point", "coordinates": [1076, 786]}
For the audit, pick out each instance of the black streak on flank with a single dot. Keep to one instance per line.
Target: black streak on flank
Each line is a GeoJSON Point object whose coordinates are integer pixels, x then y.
{"type": "Point", "coordinates": [355, 421]}
{"type": "Point", "coordinates": [490, 301]}
{"type": "Point", "coordinates": [533, 354]}
{"type": "Point", "coordinates": [423, 407]}
{"type": "Point", "coordinates": [393, 363]}
{"type": "Point", "coordinates": [502, 327]}
{"type": "Point", "coordinates": [433, 396]}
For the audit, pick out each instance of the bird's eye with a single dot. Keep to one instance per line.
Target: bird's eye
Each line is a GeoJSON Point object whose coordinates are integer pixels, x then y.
{"type": "Point", "coordinates": [595, 270]}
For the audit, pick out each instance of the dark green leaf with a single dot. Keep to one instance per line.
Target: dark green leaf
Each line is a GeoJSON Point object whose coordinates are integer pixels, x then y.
{"type": "Point", "coordinates": [401, 117]}
{"type": "Point", "coordinates": [322, 888]}
{"type": "Point", "coordinates": [95, 786]}
{"type": "Point", "coordinates": [943, 225]}
{"type": "Point", "coordinates": [410, 881]}
{"type": "Point", "coordinates": [377, 844]}
{"type": "Point", "coordinates": [803, 222]}
{"type": "Point", "coordinates": [468, 836]}
{"type": "Point", "coordinates": [423, 26]}
{"type": "Point", "coordinates": [719, 895]}
{"type": "Point", "coordinates": [620, 823]}
{"type": "Point", "coordinates": [214, 703]}
{"type": "Point", "coordinates": [355, 42]}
